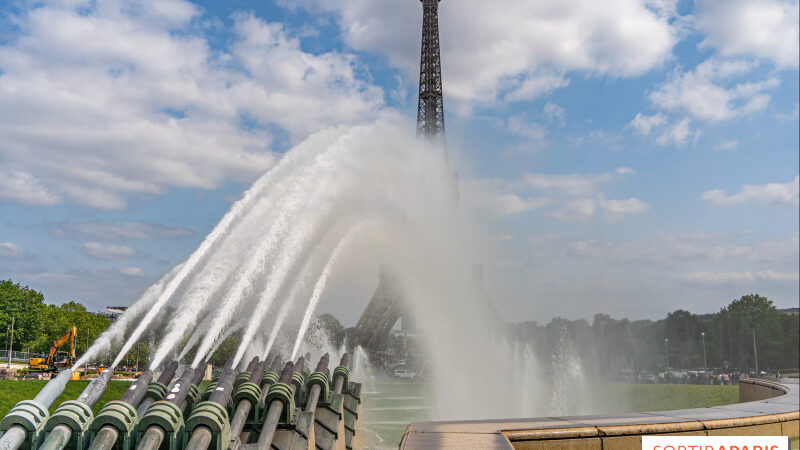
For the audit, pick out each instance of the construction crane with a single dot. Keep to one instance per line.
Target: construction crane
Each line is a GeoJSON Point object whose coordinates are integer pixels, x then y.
{"type": "Point", "coordinates": [56, 360]}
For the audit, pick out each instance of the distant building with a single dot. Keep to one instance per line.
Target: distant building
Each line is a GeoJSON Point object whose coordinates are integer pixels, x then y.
{"type": "Point", "coordinates": [113, 312]}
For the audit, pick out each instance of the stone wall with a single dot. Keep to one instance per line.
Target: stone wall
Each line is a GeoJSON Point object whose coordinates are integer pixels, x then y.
{"type": "Point", "coordinates": [766, 409]}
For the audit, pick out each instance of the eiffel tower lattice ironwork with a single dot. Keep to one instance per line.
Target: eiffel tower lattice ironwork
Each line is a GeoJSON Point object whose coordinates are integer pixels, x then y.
{"type": "Point", "coordinates": [387, 305]}
{"type": "Point", "coordinates": [430, 110]}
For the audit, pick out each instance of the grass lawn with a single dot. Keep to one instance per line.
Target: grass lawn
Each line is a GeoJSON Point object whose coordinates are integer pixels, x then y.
{"type": "Point", "coordinates": [12, 392]}
{"type": "Point", "coordinates": [661, 397]}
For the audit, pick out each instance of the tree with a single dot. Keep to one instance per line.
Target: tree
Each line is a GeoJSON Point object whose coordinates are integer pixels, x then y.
{"type": "Point", "coordinates": [25, 306]}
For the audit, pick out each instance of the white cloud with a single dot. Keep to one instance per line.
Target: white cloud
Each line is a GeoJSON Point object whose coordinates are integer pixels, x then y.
{"type": "Point", "coordinates": [718, 277]}
{"type": "Point", "coordinates": [99, 101]}
{"type": "Point", "coordinates": [517, 51]}
{"type": "Point", "coordinates": [132, 271]}
{"type": "Point", "coordinates": [496, 197]}
{"type": "Point", "coordinates": [576, 210]}
{"type": "Point", "coordinates": [715, 278]}
{"type": "Point", "coordinates": [521, 127]}
{"type": "Point", "coordinates": [778, 276]}
{"type": "Point", "coordinates": [677, 134]}
{"type": "Point", "coordinates": [553, 111]}
{"type": "Point", "coordinates": [108, 251]}
{"type": "Point", "coordinates": [112, 231]}
{"type": "Point", "coordinates": [710, 93]}
{"type": "Point", "coordinates": [682, 249]}
{"type": "Point", "coordinates": [767, 29]}
{"type": "Point", "coordinates": [765, 194]}
{"type": "Point", "coordinates": [624, 207]}
{"type": "Point", "coordinates": [535, 86]}
{"type": "Point", "coordinates": [574, 196]}
{"type": "Point", "coordinates": [10, 249]}
{"type": "Point", "coordinates": [624, 171]}
{"type": "Point", "coordinates": [22, 187]}
{"type": "Point", "coordinates": [573, 184]}
{"type": "Point", "coordinates": [644, 124]}
{"type": "Point", "coordinates": [727, 145]}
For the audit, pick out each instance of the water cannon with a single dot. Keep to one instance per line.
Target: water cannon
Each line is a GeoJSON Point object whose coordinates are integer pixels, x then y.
{"type": "Point", "coordinates": [341, 375]}
{"type": "Point", "coordinates": [158, 389]}
{"type": "Point", "coordinates": [208, 426]}
{"type": "Point", "coordinates": [194, 388]}
{"type": "Point", "coordinates": [164, 419]}
{"type": "Point", "coordinates": [118, 418]}
{"type": "Point", "coordinates": [271, 375]}
{"type": "Point", "coordinates": [22, 427]}
{"type": "Point", "coordinates": [246, 401]}
{"type": "Point", "coordinates": [69, 424]}
{"type": "Point", "coordinates": [299, 380]}
{"type": "Point", "coordinates": [244, 376]}
{"type": "Point", "coordinates": [280, 401]}
{"type": "Point", "coordinates": [317, 385]}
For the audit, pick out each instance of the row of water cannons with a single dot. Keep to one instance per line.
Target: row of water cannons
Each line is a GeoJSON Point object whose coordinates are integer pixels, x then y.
{"type": "Point", "coordinates": [282, 405]}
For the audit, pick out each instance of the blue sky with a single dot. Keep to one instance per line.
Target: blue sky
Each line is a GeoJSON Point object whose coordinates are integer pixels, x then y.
{"type": "Point", "coordinates": [634, 156]}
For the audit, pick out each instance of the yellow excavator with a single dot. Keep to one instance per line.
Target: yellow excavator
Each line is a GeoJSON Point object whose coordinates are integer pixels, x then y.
{"type": "Point", "coordinates": [56, 360]}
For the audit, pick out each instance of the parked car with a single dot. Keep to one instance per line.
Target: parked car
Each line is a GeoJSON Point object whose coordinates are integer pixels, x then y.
{"type": "Point", "coordinates": [404, 373]}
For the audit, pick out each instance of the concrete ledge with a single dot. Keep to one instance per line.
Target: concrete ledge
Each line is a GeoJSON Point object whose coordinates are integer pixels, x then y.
{"type": "Point", "coordinates": [767, 409]}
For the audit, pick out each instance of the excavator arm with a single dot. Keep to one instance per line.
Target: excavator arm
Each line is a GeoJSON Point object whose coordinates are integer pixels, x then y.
{"type": "Point", "coordinates": [69, 336]}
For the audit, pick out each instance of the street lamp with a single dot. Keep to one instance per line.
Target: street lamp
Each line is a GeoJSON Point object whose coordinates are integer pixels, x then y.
{"type": "Point", "coordinates": [666, 346]}
{"type": "Point", "coordinates": [705, 364]}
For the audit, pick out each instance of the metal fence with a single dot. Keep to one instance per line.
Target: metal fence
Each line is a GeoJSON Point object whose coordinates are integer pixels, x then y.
{"type": "Point", "coordinates": [17, 356]}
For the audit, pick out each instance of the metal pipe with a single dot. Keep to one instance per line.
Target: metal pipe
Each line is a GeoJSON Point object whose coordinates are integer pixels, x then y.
{"type": "Point", "coordinates": [257, 373]}
{"type": "Point", "coordinates": [240, 417]}
{"type": "Point", "coordinates": [270, 425]}
{"type": "Point", "coordinates": [201, 439]}
{"type": "Point", "coordinates": [105, 439]}
{"type": "Point", "coordinates": [152, 439]}
{"type": "Point", "coordinates": [92, 393]}
{"type": "Point", "coordinates": [57, 439]}
{"type": "Point", "coordinates": [252, 365]}
{"type": "Point", "coordinates": [108, 435]}
{"type": "Point", "coordinates": [201, 436]}
{"type": "Point", "coordinates": [53, 389]}
{"type": "Point", "coordinates": [273, 367]}
{"type": "Point", "coordinates": [169, 373]}
{"type": "Point", "coordinates": [244, 406]}
{"type": "Point", "coordinates": [339, 382]}
{"type": "Point", "coordinates": [199, 373]}
{"type": "Point", "coordinates": [313, 395]}
{"type": "Point", "coordinates": [276, 364]}
{"type": "Point", "coordinates": [13, 438]}
{"type": "Point", "coordinates": [154, 435]}
{"type": "Point", "coordinates": [274, 412]}
{"type": "Point", "coordinates": [222, 393]}
{"type": "Point", "coordinates": [166, 376]}
{"type": "Point", "coordinates": [134, 395]}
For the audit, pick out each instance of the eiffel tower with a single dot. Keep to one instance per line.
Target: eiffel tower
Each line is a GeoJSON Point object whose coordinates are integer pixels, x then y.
{"type": "Point", "coordinates": [386, 306]}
